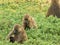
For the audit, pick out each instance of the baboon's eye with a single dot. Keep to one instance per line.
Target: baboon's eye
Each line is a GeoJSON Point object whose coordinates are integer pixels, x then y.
{"type": "Point", "coordinates": [15, 32]}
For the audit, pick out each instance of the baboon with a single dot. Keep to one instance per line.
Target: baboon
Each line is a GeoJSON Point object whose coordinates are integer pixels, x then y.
{"type": "Point", "coordinates": [18, 34]}
{"type": "Point", "coordinates": [29, 22]}
{"type": "Point", "coordinates": [54, 9]}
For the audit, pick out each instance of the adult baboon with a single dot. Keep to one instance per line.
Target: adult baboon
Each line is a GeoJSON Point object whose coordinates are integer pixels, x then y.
{"type": "Point", "coordinates": [17, 34]}
{"type": "Point", "coordinates": [29, 22]}
{"type": "Point", "coordinates": [54, 9]}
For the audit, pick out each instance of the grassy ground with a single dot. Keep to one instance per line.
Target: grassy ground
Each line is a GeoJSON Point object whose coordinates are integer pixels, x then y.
{"type": "Point", "coordinates": [48, 32]}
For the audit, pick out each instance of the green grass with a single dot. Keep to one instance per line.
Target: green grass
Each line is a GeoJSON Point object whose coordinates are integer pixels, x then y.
{"type": "Point", "coordinates": [48, 32]}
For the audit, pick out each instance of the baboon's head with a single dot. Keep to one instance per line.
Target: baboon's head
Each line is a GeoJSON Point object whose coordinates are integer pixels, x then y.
{"type": "Point", "coordinates": [16, 29]}
{"type": "Point", "coordinates": [26, 21]}
{"type": "Point", "coordinates": [15, 32]}
{"type": "Point", "coordinates": [26, 16]}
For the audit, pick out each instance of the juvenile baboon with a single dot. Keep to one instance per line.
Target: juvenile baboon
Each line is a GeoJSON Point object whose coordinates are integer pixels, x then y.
{"type": "Point", "coordinates": [17, 34]}
{"type": "Point", "coordinates": [29, 22]}
{"type": "Point", "coordinates": [54, 9]}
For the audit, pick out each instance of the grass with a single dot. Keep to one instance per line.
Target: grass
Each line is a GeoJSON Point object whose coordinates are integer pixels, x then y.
{"type": "Point", "coordinates": [48, 32]}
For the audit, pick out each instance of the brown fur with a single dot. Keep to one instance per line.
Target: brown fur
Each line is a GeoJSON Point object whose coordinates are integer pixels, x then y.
{"type": "Point", "coordinates": [29, 22]}
{"type": "Point", "coordinates": [54, 9]}
{"type": "Point", "coordinates": [18, 33]}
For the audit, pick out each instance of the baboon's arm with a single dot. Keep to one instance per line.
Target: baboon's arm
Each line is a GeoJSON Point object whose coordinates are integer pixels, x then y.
{"type": "Point", "coordinates": [10, 33]}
